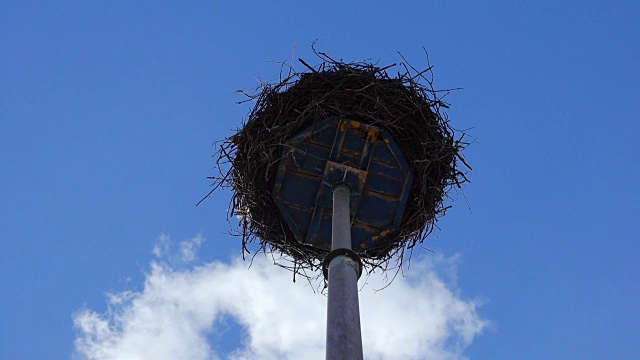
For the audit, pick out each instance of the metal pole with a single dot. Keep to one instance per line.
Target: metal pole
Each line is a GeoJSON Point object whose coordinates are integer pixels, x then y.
{"type": "Point", "coordinates": [344, 341]}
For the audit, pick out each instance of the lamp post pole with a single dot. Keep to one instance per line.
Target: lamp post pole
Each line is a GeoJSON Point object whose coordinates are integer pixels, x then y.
{"type": "Point", "coordinates": [344, 340]}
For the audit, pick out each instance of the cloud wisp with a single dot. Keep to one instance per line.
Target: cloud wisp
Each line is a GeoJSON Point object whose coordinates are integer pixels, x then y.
{"type": "Point", "coordinates": [181, 308]}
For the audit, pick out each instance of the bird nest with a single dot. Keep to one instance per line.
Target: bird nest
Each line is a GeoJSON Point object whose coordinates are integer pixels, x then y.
{"type": "Point", "coordinates": [405, 104]}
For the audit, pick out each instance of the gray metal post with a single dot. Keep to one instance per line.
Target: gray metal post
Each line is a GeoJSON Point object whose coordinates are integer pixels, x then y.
{"type": "Point", "coordinates": [344, 340]}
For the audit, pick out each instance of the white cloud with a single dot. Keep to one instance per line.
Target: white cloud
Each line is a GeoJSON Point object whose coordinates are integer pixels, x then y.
{"type": "Point", "coordinates": [173, 316]}
{"type": "Point", "coordinates": [162, 246]}
{"type": "Point", "coordinates": [182, 253]}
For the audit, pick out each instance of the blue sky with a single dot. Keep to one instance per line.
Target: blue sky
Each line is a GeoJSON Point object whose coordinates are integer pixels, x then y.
{"type": "Point", "coordinates": [107, 116]}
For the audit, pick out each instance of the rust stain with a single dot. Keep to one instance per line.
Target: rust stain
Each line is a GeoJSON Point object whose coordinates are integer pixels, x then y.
{"type": "Point", "coordinates": [384, 233]}
{"type": "Point", "coordinates": [374, 238]}
{"type": "Point", "coordinates": [362, 176]}
{"type": "Point", "coordinates": [355, 124]}
{"type": "Point", "coordinates": [373, 135]}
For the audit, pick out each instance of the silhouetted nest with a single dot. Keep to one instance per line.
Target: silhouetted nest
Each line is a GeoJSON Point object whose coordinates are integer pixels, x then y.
{"type": "Point", "coordinates": [406, 105]}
